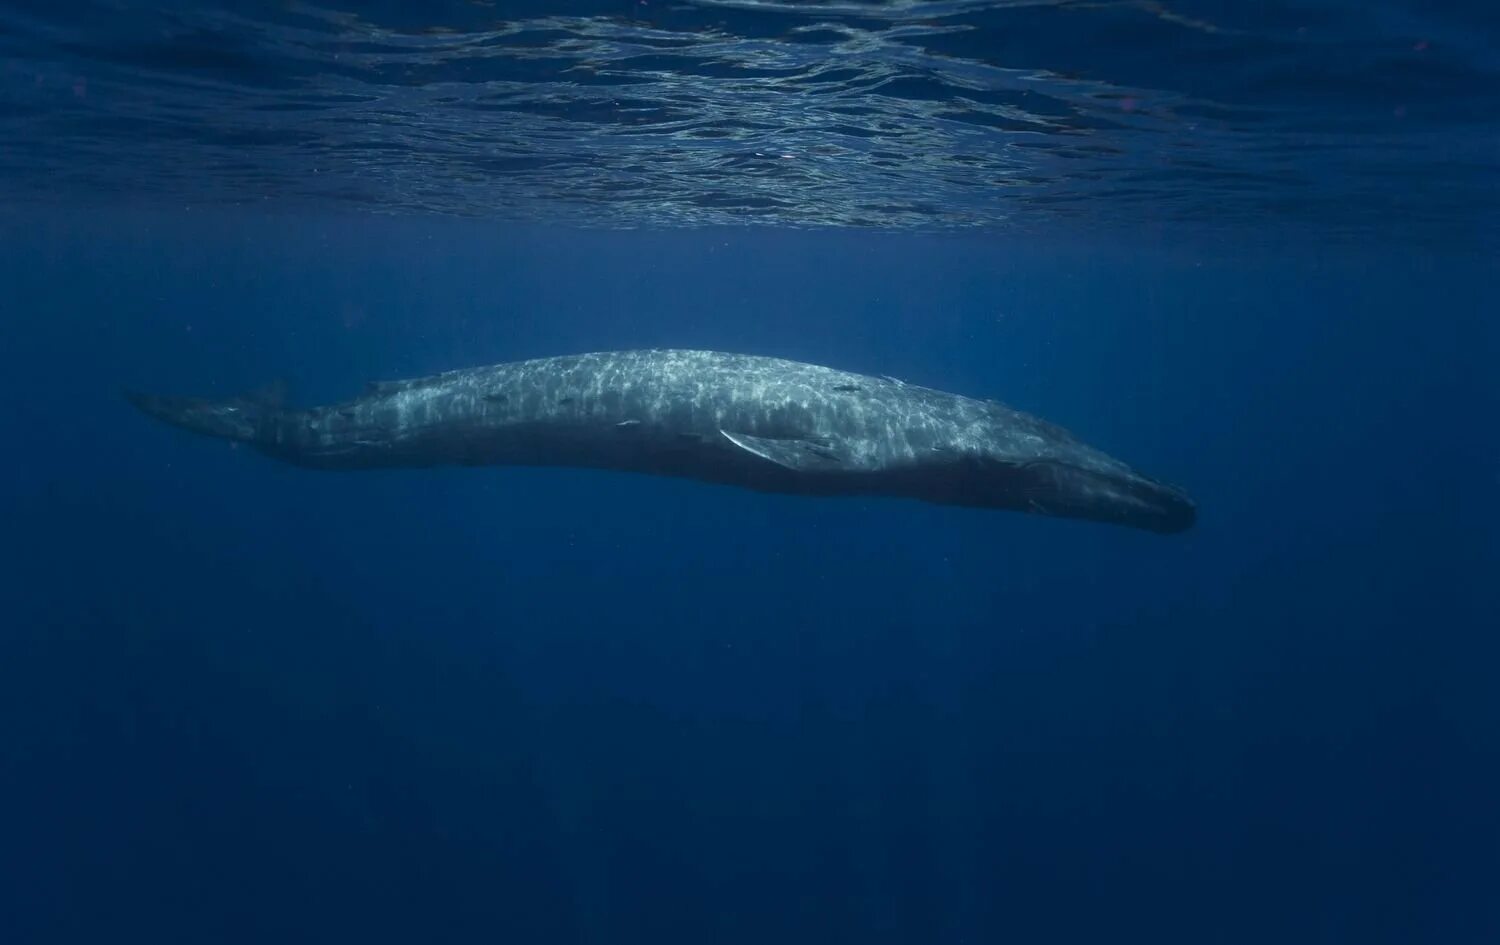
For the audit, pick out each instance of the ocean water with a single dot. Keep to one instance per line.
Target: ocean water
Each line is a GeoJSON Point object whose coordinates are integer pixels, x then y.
{"type": "Point", "coordinates": [1248, 247]}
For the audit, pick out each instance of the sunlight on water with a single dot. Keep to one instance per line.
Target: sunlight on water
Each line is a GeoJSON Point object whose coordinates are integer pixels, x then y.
{"type": "Point", "coordinates": [954, 113]}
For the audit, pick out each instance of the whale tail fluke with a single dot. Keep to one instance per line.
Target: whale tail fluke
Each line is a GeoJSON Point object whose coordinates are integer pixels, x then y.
{"type": "Point", "coordinates": [244, 420]}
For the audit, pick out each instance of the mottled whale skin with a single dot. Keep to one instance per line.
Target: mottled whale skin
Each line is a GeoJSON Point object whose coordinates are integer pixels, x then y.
{"type": "Point", "coordinates": [755, 422]}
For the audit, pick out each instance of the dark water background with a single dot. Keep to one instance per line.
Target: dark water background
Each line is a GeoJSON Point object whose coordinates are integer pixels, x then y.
{"type": "Point", "coordinates": [242, 702]}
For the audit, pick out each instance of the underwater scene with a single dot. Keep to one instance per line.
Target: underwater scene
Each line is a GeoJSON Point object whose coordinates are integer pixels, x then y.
{"type": "Point", "coordinates": [947, 472]}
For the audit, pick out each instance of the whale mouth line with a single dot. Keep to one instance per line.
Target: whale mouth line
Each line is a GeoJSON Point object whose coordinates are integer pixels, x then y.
{"type": "Point", "coordinates": [1125, 497]}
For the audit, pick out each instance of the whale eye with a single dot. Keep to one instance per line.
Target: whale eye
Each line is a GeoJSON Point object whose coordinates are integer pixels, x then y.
{"type": "Point", "coordinates": [846, 388]}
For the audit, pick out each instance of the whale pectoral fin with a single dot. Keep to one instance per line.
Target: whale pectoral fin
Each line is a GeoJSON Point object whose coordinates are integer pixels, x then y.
{"type": "Point", "coordinates": [799, 454]}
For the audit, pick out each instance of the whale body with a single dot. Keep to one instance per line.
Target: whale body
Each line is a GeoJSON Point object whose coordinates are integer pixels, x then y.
{"type": "Point", "coordinates": [755, 422]}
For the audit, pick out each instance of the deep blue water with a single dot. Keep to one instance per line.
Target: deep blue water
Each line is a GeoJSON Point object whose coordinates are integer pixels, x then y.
{"type": "Point", "coordinates": [245, 702]}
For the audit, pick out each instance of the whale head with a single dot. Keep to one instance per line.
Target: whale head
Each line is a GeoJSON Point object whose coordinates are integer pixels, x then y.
{"type": "Point", "coordinates": [1028, 465]}
{"type": "Point", "coordinates": [1115, 494]}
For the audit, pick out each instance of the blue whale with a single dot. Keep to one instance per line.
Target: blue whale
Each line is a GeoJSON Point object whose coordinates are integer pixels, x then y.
{"type": "Point", "coordinates": [754, 422]}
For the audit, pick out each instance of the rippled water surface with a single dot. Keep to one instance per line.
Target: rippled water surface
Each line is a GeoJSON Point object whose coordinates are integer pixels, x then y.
{"type": "Point", "coordinates": [1338, 115]}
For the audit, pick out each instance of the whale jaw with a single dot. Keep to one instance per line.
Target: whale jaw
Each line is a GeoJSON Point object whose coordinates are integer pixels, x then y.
{"type": "Point", "coordinates": [1120, 497]}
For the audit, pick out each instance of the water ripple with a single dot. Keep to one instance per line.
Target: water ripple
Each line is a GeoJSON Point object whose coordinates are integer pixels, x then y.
{"type": "Point", "coordinates": [935, 114]}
